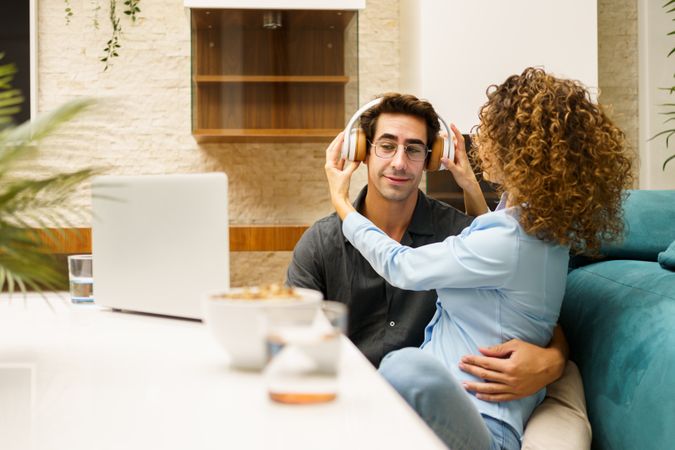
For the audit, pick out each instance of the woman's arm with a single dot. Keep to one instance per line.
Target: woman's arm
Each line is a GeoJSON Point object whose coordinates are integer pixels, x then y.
{"type": "Point", "coordinates": [484, 258]}
{"type": "Point", "coordinates": [339, 173]}
{"type": "Point", "coordinates": [462, 172]}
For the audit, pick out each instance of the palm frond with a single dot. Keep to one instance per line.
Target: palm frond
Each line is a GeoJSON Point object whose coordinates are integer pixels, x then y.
{"type": "Point", "coordinates": [15, 142]}
{"type": "Point", "coordinates": [28, 205]}
{"type": "Point", "coordinates": [25, 263]}
{"type": "Point", "coordinates": [670, 158]}
{"type": "Point", "coordinates": [26, 196]}
{"type": "Point", "coordinates": [10, 99]}
{"type": "Point", "coordinates": [669, 112]}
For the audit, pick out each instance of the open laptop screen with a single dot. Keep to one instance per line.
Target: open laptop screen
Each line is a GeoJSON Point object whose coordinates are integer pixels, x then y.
{"type": "Point", "coordinates": [159, 242]}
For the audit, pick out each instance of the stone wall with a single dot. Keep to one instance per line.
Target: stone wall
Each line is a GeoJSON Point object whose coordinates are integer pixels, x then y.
{"type": "Point", "coordinates": [143, 124]}
{"type": "Point", "coordinates": [618, 64]}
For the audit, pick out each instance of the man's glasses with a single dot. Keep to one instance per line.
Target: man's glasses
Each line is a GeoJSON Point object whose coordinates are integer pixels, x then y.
{"type": "Point", "coordinates": [386, 149]}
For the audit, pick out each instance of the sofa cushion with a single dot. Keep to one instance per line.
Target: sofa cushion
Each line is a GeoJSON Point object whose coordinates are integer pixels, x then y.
{"type": "Point", "coordinates": [619, 319]}
{"type": "Point", "coordinates": [561, 421]}
{"type": "Point", "coordinates": [650, 225]}
{"type": "Point", "coordinates": [667, 257]}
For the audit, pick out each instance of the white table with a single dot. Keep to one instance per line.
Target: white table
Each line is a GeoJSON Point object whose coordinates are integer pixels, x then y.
{"type": "Point", "coordinates": [81, 377]}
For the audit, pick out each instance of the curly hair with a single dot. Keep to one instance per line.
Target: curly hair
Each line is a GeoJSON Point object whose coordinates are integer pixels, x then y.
{"type": "Point", "coordinates": [558, 156]}
{"type": "Point", "coordinates": [401, 104]}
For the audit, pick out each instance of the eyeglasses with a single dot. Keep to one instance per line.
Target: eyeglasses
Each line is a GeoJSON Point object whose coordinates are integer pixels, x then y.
{"type": "Point", "coordinates": [386, 149]}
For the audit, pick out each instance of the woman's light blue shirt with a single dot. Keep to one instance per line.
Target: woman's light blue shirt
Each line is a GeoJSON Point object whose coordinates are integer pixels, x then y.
{"type": "Point", "coordinates": [494, 283]}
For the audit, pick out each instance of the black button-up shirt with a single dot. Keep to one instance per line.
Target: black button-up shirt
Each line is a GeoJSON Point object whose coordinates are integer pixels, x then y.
{"type": "Point", "coordinates": [382, 318]}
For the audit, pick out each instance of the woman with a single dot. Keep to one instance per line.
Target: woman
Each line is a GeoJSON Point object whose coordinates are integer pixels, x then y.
{"type": "Point", "coordinates": [561, 166]}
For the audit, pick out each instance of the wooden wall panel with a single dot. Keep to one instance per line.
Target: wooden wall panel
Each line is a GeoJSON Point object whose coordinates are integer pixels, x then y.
{"type": "Point", "coordinates": [243, 238]}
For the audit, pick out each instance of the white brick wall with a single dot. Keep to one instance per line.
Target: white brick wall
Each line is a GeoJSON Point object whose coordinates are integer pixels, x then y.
{"type": "Point", "coordinates": [144, 125]}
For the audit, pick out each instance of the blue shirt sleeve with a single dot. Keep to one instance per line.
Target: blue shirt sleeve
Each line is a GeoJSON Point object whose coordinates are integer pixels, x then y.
{"type": "Point", "coordinates": [483, 256]}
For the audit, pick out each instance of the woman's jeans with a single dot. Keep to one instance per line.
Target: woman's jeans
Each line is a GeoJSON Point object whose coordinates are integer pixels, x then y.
{"type": "Point", "coordinates": [443, 403]}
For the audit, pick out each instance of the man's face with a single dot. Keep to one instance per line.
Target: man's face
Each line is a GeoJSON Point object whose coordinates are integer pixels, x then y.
{"type": "Point", "coordinates": [396, 179]}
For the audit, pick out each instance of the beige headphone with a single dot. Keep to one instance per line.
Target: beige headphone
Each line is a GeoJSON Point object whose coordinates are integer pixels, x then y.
{"type": "Point", "coordinates": [354, 145]}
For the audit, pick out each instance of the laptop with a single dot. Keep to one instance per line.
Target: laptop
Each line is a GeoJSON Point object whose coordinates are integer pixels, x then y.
{"type": "Point", "coordinates": [159, 242]}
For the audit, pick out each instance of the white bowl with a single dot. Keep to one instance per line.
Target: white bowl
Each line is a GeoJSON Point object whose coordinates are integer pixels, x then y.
{"type": "Point", "coordinates": [239, 325]}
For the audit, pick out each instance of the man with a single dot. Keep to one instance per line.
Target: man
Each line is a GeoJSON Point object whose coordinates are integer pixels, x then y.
{"type": "Point", "coordinates": [383, 318]}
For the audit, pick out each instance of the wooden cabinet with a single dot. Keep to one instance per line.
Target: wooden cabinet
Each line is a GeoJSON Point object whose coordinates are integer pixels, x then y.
{"type": "Point", "coordinates": [286, 75]}
{"type": "Point", "coordinates": [441, 186]}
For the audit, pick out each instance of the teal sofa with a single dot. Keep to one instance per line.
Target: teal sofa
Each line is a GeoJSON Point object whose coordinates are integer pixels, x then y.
{"type": "Point", "coordinates": [619, 318]}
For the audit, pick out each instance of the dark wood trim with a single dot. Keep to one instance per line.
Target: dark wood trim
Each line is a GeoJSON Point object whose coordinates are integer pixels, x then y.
{"type": "Point", "coordinates": [335, 79]}
{"type": "Point", "coordinates": [265, 238]}
{"type": "Point", "coordinates": [243, 238]}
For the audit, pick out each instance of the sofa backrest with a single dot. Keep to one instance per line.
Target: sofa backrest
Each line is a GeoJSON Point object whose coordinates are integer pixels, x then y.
{"type": "Point", "coordinates": [650, 226]}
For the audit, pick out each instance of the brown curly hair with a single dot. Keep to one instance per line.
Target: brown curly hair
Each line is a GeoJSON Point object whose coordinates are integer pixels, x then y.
{"type": "Point", "coordinates": [558, 156]}
{"type": "Point", "coordinates": [396, 103]}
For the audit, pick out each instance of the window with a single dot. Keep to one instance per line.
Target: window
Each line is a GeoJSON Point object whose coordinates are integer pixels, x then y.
{"type": "Point", "coordinates": [15, 43]}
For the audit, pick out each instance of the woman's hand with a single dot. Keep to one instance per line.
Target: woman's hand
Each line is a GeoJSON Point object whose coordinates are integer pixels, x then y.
{"type": "Point", "coordinates": [461, 167]}
{"type": "Point", "coordinates": [461, 170]}
{"type": "Point", "coordinates": [339, 173]}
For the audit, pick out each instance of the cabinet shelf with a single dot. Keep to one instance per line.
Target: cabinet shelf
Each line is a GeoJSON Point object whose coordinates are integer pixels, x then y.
{"type": "Point", "coordinates": [293, 79]}
{"type": "Point", "coordinates": [334, 79]}
{"type": "Point", "coordinates": [261, 134]}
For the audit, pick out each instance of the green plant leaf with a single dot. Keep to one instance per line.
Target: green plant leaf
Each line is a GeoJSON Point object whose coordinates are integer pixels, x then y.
{"type": "Point", "coordinates": [27, 202]}
{"type": "Point", "coordinates": [669, 133]}
{"type": "Point", "coordinates": [670, 158]}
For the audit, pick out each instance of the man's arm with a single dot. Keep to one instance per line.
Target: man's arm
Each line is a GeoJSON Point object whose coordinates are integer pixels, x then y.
{"type": "Point", "coordinates": [516, 369]}
{"type": "Point", "coordinates": [462, 172]}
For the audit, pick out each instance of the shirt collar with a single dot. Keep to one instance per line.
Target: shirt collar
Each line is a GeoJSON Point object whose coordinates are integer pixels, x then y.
{"type": "Point", "coordinates": [502, 201]}
{"type": "Point", "coordinates": [421, 219]}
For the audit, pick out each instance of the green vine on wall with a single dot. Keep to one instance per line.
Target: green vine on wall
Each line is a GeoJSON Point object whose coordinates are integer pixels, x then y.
{"type": "Point", "coordinates": [132, 9]}
{"type": "Point", "coordinates": [113, 45]}
{"type": "Point", "coordinates": [69, 12]}
{"type": "Point", "coordinates": [97, 8]}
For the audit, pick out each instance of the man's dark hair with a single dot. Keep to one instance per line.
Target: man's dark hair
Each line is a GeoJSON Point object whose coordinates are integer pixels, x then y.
{"type": "Point", "coordinates": [401, 104]}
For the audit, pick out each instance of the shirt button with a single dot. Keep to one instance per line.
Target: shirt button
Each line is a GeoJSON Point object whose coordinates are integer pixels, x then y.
{"type": "Point", "coordinates": [392, 323]}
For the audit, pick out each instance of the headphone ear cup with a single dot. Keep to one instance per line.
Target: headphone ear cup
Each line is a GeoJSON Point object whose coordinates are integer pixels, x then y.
{"type": "Point", "coordinates": [434, 159]}
{"type": "Point", "coordinates": [360, 151]}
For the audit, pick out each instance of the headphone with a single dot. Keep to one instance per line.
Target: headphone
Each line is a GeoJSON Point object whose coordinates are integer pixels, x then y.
{"type": "Point", "coordinates": [354, 144]}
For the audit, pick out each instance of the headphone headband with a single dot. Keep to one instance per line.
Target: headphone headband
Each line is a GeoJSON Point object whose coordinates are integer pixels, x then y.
{"type": "Point", "coordinates": [349, 144]}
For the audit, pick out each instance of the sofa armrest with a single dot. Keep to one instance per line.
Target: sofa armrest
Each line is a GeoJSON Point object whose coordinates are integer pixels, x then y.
{"type": "Point", "coordinates": [619, 319]}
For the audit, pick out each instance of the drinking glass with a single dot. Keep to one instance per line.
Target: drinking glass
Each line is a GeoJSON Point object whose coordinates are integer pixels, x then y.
{"type": "Point", "coordinates": [81, 278]}
{"type": "Point", "coordinates": [303, 350]}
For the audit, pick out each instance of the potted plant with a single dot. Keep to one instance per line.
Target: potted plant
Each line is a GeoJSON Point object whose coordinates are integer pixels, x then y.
{"type": "Point", "coordinates": [669, 107]}
{"type": "Point", "coordinates": [30, 206]}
